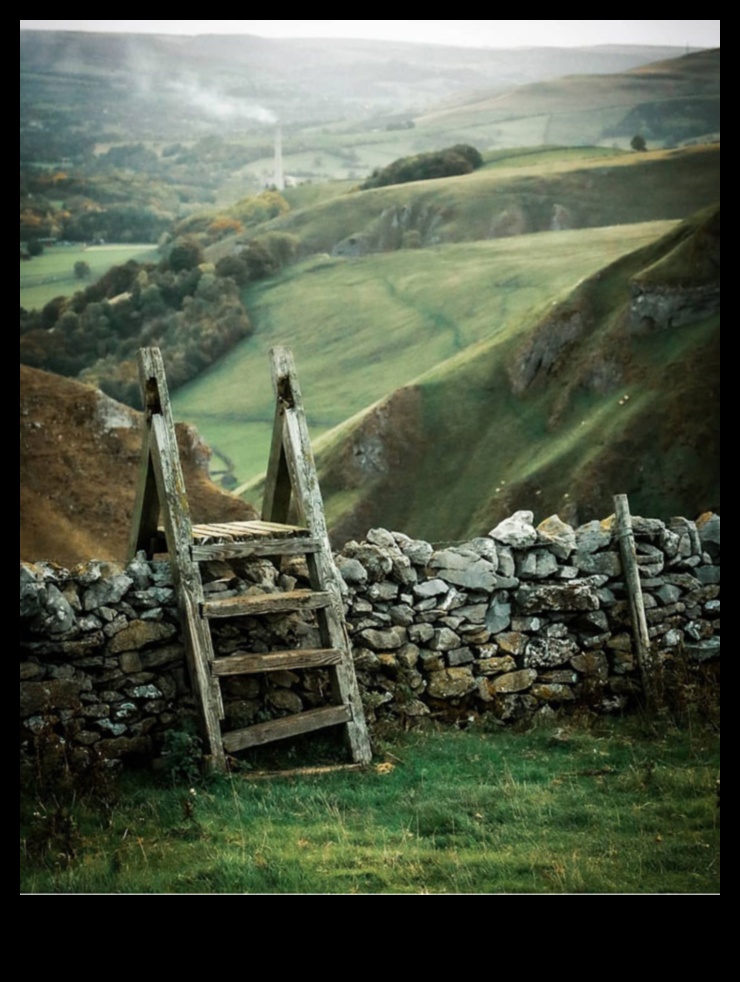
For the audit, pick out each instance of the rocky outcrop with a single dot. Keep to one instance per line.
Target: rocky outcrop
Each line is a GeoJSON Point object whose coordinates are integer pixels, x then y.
{"type": "Point", "coordinates": [398, 226]}
{"type": "Point", "coordinates": [659, 308]}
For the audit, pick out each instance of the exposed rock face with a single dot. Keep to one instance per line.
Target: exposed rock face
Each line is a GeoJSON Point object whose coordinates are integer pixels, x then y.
{"type": "Point", "coordinates": [542, 349]}
{"type": "Point", "coordinates": [396, 227]}
{"type": "Point", "coordinates": [474, 627]}
{"type": "Point", "coordinates": [660, 308]}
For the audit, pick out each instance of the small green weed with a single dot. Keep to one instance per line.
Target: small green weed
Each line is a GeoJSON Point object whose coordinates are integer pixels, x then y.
{"type": "Point", "coordinates": [182, 754]}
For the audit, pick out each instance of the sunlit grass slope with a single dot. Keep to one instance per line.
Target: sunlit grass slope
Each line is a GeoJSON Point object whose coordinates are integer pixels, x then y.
{"type": "Point", "coordinates": [554, 413]}
{"type": "Point", "coordinates": [552, 189]}
{"type": "Point", "coordinates": [362, 328]}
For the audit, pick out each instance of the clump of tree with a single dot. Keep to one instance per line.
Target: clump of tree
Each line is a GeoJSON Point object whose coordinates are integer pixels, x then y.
{"type": "Point", "coordinates": [460, 159]}
{"type": "Point", "coordinates": [190, 309]}
{"type": "Point", "coordinates": [193, 315]}
{"type": "Point", "coordinates": [263, 256]}
{"type": "Point", "coordinates": [211, 226]}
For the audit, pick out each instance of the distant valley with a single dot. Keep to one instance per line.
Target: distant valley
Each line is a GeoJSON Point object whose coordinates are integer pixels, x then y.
{"type": "Point", "coordinates": [540, 333]}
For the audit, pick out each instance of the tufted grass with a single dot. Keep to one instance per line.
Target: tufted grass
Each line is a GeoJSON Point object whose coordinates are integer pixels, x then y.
{"type": "Point", "coordinates": [612, 807]}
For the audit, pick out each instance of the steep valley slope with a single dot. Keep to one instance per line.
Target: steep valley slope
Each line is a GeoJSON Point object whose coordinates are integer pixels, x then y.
{"type": "Point", "coordinates": [613, 389]}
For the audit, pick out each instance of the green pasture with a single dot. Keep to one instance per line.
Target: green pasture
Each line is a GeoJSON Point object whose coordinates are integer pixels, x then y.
{"type": "Point", "coordinates": [592, 189]}
{"type": "Point", "coordinates": [545, 155]}
{"type": "Point", "coordinates": [362, 328]}
{"type": "Point", "coordinates": [578, 109]}
{"type": "Point", "coordinates": [52, 273]}
{"type": "Point", "coordinates": [478, 448]}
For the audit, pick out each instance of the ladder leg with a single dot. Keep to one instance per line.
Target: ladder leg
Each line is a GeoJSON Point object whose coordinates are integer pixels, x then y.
{"type": "Point", "coordinates": [163, 465]}
{"type": "Point", "coordinates": [301, 470]}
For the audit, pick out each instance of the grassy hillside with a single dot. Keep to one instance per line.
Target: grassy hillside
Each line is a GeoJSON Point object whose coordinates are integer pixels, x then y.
{"type": "Point", "coordinates": [557, 189]}
{"type": "Point", "coordinates": [80, 454]}
{"type": "Point", "coordinates": [362, 328]}
{"type": "Point", "coordinates": [667, 101]}
{"type": "Point", "coordinates": [52, 274]}
{"type": "Point", "coordinates": [588, 399]}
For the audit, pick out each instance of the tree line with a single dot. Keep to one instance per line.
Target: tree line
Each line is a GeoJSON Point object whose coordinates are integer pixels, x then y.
{"type": "Point", "coordinates": [190, 309]}
{"type": "Point", "coordinates": [460, 159]}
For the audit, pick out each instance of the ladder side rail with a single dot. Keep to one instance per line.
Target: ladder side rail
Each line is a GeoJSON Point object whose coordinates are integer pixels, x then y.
{"type": "Point", "coordinates": [295, 442]}
{"type": "Point", "coordinates": [333, 634]}
{"type": "Point", "coordinates": [196, 634]}
{"type": "Point", "coordinates": [323, 573]}
{"type": "Point", "coordinates": [155, 400]}
{"type": "Point", "coordinates": [164, 464]}
{"type": "Point", "coordinates": [302, 470]}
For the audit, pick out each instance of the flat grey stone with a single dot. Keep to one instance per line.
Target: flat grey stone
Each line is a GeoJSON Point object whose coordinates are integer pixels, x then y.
{"type": "Point", "coordinates": [592, 536]}
{"type": "Point", "coordinates": [546, 652]}
{"type": "Point", "coordinates": [516, 531]}
{"type": "Point", "coordinates": [498, 617]}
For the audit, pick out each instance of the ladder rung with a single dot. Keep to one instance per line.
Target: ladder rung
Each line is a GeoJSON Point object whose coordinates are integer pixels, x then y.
{"type": "Point", "coordinates": [271, 661]}
{"type": "Point", "coordinates": [278, 729]}
{"type": "Point", "coordinates": [257, 547]}
{"type": "Point", "coordinates": [248, 530]}
{"type": "Point", "coordinates": [266, 603]}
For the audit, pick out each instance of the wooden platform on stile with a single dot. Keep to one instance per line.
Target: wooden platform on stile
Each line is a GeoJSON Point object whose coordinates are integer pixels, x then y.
{"type": "Point", "coordinates": [291, 477]}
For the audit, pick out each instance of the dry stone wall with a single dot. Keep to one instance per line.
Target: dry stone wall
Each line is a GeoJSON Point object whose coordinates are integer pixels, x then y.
{"type": "Point", "coordinates": [524, 621]}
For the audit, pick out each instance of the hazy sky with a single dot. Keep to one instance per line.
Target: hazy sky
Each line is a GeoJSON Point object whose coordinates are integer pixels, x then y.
{"type": "Point", "coordinates": [471, 33]}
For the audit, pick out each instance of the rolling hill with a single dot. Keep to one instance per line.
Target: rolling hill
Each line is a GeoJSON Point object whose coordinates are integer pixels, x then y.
{"type": "Point", "coordinates": [540, 333]}
{"type": "Point", "coordinates": [376, 314]}
{"type": "Point", "coordinates": [552, 190]}
{"type": "Point", "coordinates": [666, 101]}
{"type": "Point", "coordinates": [615, 388]}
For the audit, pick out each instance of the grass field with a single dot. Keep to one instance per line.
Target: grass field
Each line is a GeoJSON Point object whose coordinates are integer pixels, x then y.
{"type": "Point", "coordinates": [52, 274]}
{"type": "Point", "coordinates": [362, 328]}
{"type": "Point", "coordinates": [613, 808]}
{"type": "Point", "coordinates": [541, 155]}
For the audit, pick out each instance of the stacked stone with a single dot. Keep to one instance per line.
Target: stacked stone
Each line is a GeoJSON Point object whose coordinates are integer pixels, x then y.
{"type": "Point", "coordinates": [525, 618]}
{"type": "Point", "coordinates": [515, 623]}
{"type": "Point", "coordinates": [101, 659]}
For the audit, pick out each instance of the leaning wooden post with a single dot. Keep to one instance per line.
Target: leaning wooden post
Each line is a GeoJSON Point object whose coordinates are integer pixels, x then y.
{"type": "Point", "coordinates": [634, 593]}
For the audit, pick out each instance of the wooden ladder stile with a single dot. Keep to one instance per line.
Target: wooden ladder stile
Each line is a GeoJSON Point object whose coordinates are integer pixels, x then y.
{"type": "Point", "coordinates": [291, 478]}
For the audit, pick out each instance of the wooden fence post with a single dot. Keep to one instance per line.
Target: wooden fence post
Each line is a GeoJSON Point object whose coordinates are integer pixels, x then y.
{"type": "Point", "coordinates": [634, 593]}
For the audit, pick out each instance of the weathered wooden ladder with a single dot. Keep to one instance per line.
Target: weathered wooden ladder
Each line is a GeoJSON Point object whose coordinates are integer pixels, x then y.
{"type": "Point", "coordinates": [291, 474]}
